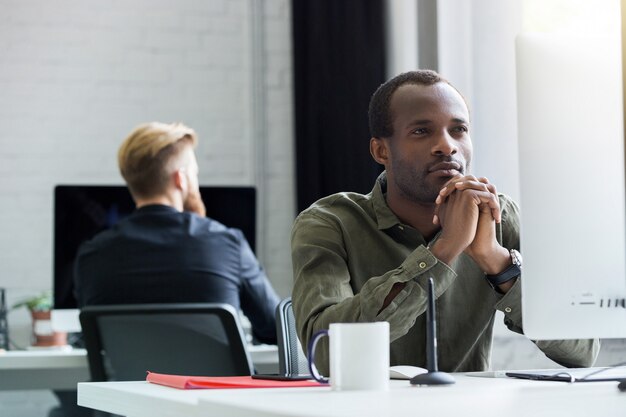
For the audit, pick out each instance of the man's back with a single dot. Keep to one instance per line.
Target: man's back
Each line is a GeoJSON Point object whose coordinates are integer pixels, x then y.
{"type": "Point", "coordinates": [161, 255]}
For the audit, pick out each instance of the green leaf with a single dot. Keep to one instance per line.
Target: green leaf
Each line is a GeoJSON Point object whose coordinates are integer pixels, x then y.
{"type": "Point", "coordinates": [41, 302]}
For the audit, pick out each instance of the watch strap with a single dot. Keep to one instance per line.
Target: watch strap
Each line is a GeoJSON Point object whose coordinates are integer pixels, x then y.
{"type": "Point", "coordinates": [511, 272]}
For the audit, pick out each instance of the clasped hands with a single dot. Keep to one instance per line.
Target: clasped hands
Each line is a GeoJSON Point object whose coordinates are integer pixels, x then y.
{"type": "Point", "coordinates": [467, 209]}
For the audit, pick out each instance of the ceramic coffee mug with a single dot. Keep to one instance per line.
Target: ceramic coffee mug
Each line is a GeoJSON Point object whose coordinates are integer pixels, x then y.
{"type": "Point", "coordinates": [359, 356]}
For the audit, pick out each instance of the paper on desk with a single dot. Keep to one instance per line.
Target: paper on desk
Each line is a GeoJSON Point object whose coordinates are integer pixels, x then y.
{"type": "Point", "coordinates": [405, 371]}
{"type": "Point", "coordinates": [222, 382]}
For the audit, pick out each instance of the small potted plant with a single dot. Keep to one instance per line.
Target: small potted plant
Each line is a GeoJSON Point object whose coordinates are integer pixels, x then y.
{"type": "Point", "coordinates": [40, 308]}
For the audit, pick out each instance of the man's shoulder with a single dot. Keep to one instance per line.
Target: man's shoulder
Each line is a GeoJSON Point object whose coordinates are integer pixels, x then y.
{"type": "Point", "coordinates": [335, 215]}
{"type": "Point", "coordinates": [105, 236]}
{"type": "Point", "coordinates": [211, 226]}
{"type": "Point", "coordinates": [510, 218]}
{"type": "Point", "coordinates": [508, 206]}
{"type": "Point", "coordinates": [340, 205]}
{"type": "Point", "coordinates": [122, 231]}
{"type": "Point", "coordinates": [213, 232]}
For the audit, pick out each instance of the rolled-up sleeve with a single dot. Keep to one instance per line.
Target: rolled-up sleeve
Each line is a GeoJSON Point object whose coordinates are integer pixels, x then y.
{"type": "Point", "coordinates": [323, 287]}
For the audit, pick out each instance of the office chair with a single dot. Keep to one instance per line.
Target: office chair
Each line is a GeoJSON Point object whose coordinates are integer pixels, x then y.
{"type": "Point", "coordinates": [125, 341]}
{"type": "Point", "coordinates": [291, 357]}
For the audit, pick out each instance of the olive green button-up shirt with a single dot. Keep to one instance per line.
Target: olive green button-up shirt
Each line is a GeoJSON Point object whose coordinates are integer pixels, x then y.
{"type": "Point", "coordinates": [349, 249]}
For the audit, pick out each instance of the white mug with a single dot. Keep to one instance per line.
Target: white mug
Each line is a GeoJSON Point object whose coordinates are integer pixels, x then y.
{"type": "Point", "coordinates": [359, 356]}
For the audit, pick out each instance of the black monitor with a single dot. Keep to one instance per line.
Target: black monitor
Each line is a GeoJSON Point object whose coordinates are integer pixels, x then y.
{"type": "Point", "coordinates": [82, 211]}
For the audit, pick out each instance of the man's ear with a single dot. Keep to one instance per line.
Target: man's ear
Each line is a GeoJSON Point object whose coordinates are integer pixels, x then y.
{"type": "Point", "coordinates": [180, 179]}
{"type": "Point", "coordinates": [379, 148]}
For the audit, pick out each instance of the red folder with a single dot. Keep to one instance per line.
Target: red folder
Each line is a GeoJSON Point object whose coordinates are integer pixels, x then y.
{"type": "Point", "coordinates": [222, 382]}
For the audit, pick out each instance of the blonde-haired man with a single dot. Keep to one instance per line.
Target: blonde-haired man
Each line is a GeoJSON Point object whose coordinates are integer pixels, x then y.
{"type": "Point", "coordinates": [167, 250]}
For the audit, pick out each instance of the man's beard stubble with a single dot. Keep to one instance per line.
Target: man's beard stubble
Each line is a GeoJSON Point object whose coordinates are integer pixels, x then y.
{"type": "Point", "coordinates": [415, 185]}
{"type": "Point", "coordinates": [194, 203]}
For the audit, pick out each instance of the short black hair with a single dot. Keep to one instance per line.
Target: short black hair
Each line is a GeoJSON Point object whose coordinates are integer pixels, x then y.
{"type": "Point", "coordinates": [379, 113]}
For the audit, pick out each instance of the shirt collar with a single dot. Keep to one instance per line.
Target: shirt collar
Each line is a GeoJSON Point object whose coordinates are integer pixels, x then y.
{"type": "Point", "coordinates": [384, 216]}
{"type": "Point", "coordinates": [156, 208]}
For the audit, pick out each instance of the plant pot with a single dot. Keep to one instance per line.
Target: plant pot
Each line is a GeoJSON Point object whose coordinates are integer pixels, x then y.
{"type": "Point", "coordinates": [43, 335]}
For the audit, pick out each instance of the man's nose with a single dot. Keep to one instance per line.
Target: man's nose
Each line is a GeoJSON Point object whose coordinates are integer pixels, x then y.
{"type": "Point", "coordinates": [444, 145]}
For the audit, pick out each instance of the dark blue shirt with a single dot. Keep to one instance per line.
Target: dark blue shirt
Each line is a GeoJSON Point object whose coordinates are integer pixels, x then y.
{"type": "Point", "coordinates": [160, 255]}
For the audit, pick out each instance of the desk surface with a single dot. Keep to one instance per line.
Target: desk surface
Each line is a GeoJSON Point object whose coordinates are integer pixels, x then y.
{"type": "Point", "coordinates": [63, 369]}
{"type": "Point", "coordinates": [43, 369]}
{"type": "Point", "coordinates": [477, 396]}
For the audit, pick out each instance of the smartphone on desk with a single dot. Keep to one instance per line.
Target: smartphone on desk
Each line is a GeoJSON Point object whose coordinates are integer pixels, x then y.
{"type": "Point", "coordinates": [283, 377]}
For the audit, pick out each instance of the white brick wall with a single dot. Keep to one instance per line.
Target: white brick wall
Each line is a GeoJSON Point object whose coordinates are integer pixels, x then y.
{"type": "Point", "coordinates": [280, 167]}
{"type": "Point", "coordinates": [76, 76]}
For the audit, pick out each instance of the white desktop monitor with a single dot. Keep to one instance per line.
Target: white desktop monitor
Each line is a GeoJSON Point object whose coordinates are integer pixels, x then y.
{"type": "Point", "coordinates": [571, 151]}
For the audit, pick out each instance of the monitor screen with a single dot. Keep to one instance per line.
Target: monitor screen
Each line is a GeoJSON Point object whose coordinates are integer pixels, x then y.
{"type": "Point", "coordinates": [82, 211]}
{"type": "Point", "coordinates": [573, 217]}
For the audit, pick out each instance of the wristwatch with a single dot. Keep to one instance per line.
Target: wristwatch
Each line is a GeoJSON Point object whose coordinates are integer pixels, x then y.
{"type": "Point", "coordinates": [511, 272]}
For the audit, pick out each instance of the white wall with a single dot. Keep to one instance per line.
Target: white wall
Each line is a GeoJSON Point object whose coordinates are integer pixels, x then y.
{"type": "Point", "coordinates": [76, 76]}
{"type": "Point", "coordinates": [401, 36]}
{"type": "Point", "coordinates": [477, 54]}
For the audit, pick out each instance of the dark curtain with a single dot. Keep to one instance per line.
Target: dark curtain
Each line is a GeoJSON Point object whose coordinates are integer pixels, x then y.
{"type": "Point", "coordinates": [339, 61]}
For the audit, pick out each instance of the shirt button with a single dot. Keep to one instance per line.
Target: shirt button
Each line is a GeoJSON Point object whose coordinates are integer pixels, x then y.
{"type": "Point", "coordinates": [422, 264]}
{"type": "Point", "coordinates": [401, 227]}
{"type": "Point", "coordinates": [508, 310]}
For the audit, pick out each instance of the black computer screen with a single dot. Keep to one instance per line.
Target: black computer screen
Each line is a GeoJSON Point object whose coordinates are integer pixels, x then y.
{"type": "Point", "coordinates": [82, 211]}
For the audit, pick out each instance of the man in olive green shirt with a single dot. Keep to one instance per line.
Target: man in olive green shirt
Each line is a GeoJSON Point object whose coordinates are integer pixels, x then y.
{"type": "Point", "coordinates": [363, 258]}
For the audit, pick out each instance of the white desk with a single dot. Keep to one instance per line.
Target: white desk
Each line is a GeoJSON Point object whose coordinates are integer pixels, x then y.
{"type": "Point", "coordinates": [62, 370]}
{"type": "Point", "coordinates": [483, 397]}
{"type": "Point", "coordinates": [43, 369]}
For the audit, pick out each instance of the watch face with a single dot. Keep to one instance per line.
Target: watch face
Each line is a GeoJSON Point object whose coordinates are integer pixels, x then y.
{"type": "Point", "coordinates": [516, 258]}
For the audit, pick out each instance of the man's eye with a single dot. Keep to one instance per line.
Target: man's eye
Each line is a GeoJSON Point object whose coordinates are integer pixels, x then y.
{"type": "Point", "coordinates": [462, 129]}
{"type": "Point", "coordinates": [420, 131]}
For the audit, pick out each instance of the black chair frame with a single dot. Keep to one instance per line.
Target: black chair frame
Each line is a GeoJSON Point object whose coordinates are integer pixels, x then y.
{"type": "Point", "coordinates": [291, 357]}
{"type": "Point", "coordinates": [227, 315]}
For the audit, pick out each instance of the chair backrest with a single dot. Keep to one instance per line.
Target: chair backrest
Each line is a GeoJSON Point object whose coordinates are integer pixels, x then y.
{"type": "Point", "coordinates": [125, 341]}
{"type": "Point", "coordinates": [291, 357]}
